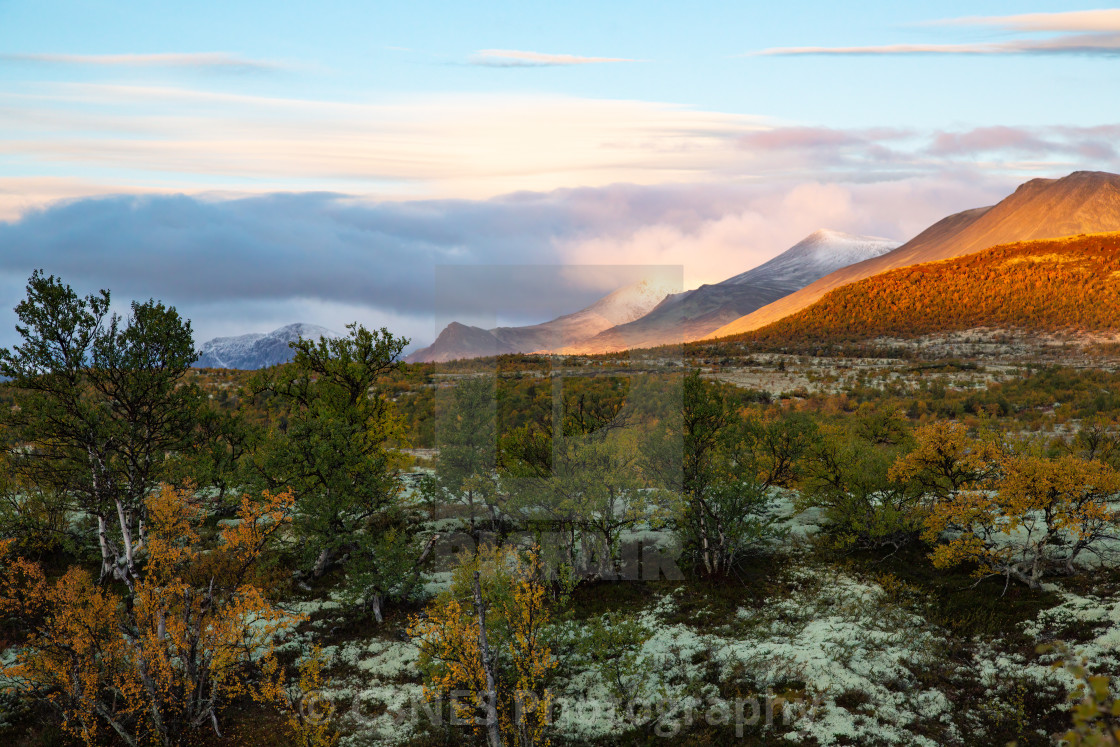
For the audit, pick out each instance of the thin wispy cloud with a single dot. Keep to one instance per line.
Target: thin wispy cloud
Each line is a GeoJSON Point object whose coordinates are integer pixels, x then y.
{"type": "Point", "coordinates": [1077, 21]}
{"type": "Point", "coordinates": [519, 58]}
{"type": "Point", "coordinates": [473, 146]}
{"type": "Point", "coordinates": [442, 144]}
{"type": "Point", "coordinates": [1097, 44]}
{"type": "Point", "coordinates": [210, 61]}
{"type": "Point", "coordinates": [1091, 32]}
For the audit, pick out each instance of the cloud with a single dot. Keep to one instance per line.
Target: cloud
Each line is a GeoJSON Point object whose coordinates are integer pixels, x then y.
{"type": "Point", "coordinates": [1088, 143]}
{"type": "Point", "coordinates": [437, 145]}
{"type": "Point", "coordinates": [20, 195]}
{"type": "Point", "coordinates": [518, 58]}
{"type": "Point", "coordinates": [1077, 20]}
{"type": "Point", "coordinates": [452, 145]}
{"type": "Point", "coordinates": [464, 146]}
{"type": "Point", "coordinates": [1093, 44]}
{"type": "Point", "coordinates": [254, 264]}
{"type": "Point", "coordinates": [1094, 32]}
{"type": "Point", "coordinates": [208, 61]}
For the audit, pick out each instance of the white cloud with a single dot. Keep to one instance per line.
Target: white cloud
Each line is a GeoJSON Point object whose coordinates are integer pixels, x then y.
{"type": "Point", "coordinates": [1086, 32]}
{"type": "Point", "coordinates": [194, 60]}
{"type": "Point", "coordinates": [1077, 21]}
{"type": "Point", "coordinates": [438, 145]}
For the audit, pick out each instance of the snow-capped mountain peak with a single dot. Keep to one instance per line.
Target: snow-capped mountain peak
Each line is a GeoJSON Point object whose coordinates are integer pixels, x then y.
{"type": "Point", "coordinates": [816, 255]}
{"type": "Point", "coordinates": [255, 349]}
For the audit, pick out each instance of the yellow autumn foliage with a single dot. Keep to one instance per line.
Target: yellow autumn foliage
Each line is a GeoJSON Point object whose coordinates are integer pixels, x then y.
{"type": "Point", "coordinates": [157, 664]}
{"type": "Point", "coordinates": [517, 616]}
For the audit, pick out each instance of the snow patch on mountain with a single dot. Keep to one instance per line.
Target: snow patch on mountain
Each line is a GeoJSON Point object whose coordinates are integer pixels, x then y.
{"type": "Point", "coordinates": [257, 350]}
{"type": "Point", "coordinates": [632, 301]}
{"type": "Point", "coordinates": [815, 256]}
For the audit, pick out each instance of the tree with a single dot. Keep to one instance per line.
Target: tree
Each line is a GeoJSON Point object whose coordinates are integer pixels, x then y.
{"type": "Point", "coordinates": [705, 454]}
{"type": "Point", "coordinates": [777, 447]}
{"type": "Point", "coordinates": [487, 635]}
{"type": "Point", "coordinates": [101, 405]}
{"type": "Point", "coordinates": [327, 438]}
{"type": "Point", "coordinates": [947, 460]}
{"type": "Point", "coordinates": [847, 475]}
{"type": "Point", "coordinates": [1098, 439]}
{"type": "Point", "coordinates": [1038, 516]}
{"type": "Point", "coordinates": [328, 444]}
{"type": "Point", "coordinates": [466, 432]}
{"type": "Point", "coordinates": [582, 481]}
{"type": "Point", "coordinates": [1011, 512]}
{"type": "Point", "coordinates": [162, 659]}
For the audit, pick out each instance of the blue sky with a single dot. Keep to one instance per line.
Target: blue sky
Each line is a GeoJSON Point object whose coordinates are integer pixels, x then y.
{"type": "Point", "coordinates": [722, 132]}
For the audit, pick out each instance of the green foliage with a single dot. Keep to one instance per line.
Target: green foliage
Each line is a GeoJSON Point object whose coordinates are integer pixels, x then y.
{"type": "Point", "coordinates": [327, 443]}
{"type": "Point", "coordinates": [612, 643]}
{"type": "Point", "coordinates": [847, 476]}
{"type": "Point", "coordinates": [583, 482]}
{"type": "Point", "coordinates": [466, 433]}
{"type": "Point", "coordinates": [101, 405]}
{"type": "Point", "coordinates": [37, 517]}
{"type": "Point", "coordinates": [722, 469]}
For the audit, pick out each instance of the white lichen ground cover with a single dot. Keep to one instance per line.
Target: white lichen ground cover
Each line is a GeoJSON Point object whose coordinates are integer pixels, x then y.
{"type": "Point", "coordinates": [855, 661]}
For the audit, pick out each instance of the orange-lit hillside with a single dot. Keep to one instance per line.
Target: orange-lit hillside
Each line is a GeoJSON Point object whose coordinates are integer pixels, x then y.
{"type": "Point", "coordinates": [1062, 284]}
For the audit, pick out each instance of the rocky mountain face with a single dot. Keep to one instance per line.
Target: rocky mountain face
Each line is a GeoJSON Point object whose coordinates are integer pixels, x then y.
{"type": "Point", "coordinates": [256, 350]}
{"type": "Point", "coordinates": [1083, 202]}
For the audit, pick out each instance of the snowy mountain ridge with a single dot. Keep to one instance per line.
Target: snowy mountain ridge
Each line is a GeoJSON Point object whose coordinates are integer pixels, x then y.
{"type": "Point", "coordinates": [255, 349]}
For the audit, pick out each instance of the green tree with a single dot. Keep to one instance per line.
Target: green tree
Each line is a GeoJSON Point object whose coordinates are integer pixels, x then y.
{"type": "Point", "coordinates": [327, 443]}
{"type": "Point", "coordinates": [705, 454]}
{"type": "Point", "coordinates": [466, 433]}
{"type": "Point", "coordinates": [102, 404]}
{"type": "Point", "coordinates": [847, 475]}
{"type": "Point", "coordinates": [583, 481]}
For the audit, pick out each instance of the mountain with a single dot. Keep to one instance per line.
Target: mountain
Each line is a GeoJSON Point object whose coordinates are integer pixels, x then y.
{"type": "Point", "coordinates": [256, 350]}
{"type": "Point", "coordinates": [1070, 284]}
{"type": "Point", "coordinates": [623, 305]}
{"type": "Point", "coordinates": [1083, 202]}
{"type": "Point", "coordinates": [694, 314]}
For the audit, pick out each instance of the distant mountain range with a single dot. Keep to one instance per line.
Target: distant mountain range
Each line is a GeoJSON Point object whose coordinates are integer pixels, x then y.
{"type": "Point", "coordinates": [623, 305]}
{"type": "Point", "coordinates": [694, 314]}
{"type": "Point", "coordinates": [645, 315]}
{"type": "Point", "coordinates": [1083, 202]}
{"type": "Point", "coordinates": [1070, 284]}
{"type": "Point", "coordinates": [1023, 281]}
{"type": "Point", "coordinates": [257, 350]}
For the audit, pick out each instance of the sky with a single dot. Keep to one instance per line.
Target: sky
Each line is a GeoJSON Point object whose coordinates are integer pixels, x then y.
{"type": "Point", "coordinates": [261, 163]}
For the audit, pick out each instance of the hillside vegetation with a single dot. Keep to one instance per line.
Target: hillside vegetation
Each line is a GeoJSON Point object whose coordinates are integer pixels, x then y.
{"type": "Point", "coordinates": [1053, 285]}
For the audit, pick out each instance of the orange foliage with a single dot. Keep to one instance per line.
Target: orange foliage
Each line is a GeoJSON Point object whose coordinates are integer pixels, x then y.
{"type": "Point", "coordinates": [1016, 515]}
{"type": "Point", "coordinates": [158, 663]}
{"type": "Point", "coordinates": [1052, 285]}
{"type": "Point", "coordinates": [516, 617]}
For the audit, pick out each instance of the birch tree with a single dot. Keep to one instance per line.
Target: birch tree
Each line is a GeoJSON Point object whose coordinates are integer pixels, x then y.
{"type": "Point", "coordinates": [101, 405]}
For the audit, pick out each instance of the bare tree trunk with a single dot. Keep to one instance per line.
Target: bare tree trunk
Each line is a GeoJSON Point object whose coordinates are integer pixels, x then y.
{"type": "Point", "coordinates": [423, 557]}
{"type": "Point", "coordinates": [375, 607]}
{"type": "Point", "coordinates": [493, 734]}
{"type": "Point", "coordinates": [108, 557]}
{"type": "Point", "coordinates": [323, 562]}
